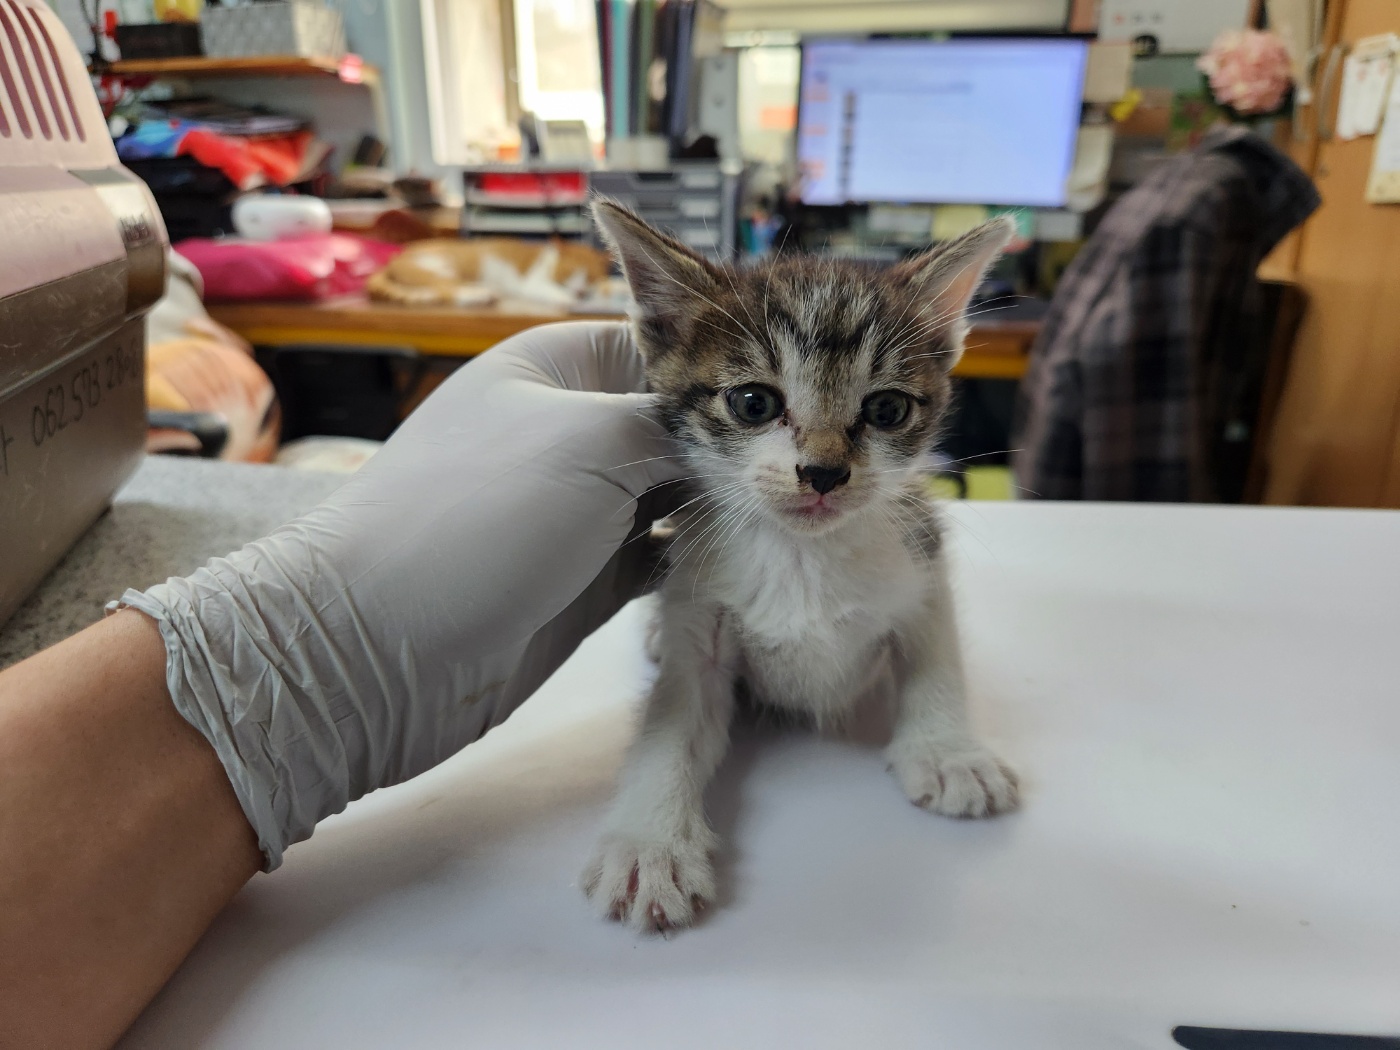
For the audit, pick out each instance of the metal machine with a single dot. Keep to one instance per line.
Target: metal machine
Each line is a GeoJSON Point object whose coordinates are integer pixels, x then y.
{"type": "Point", "coordinates": [82, 257]}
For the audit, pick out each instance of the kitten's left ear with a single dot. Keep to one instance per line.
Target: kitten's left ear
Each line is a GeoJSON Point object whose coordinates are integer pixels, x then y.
{"type": "Point", "coordinates": [669, 282]}
{"type": "Point", "coordinates": [949, 274]}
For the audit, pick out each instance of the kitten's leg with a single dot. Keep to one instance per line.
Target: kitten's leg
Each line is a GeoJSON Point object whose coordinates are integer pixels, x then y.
{"type": "Point", "coordinates": [933, 753]}
{"type": "Point", "coordinates": [652, 868]}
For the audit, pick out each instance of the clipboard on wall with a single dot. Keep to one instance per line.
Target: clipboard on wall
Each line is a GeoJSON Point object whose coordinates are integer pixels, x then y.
{"type": "Point", "coordinates": [1383, 185]}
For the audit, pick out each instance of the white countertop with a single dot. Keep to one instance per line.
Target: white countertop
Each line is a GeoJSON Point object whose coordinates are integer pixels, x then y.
{"type": "Point", "coordinates": [1204, 704]}
{"type": "Point", "coordinates": [172, 516]}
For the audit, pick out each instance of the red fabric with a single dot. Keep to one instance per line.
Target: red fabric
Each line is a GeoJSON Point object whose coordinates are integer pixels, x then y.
{"type": "Point", "coordinates": [226, 154]}
{"type": "Point", "coordinates": [316, 267]}
{"type": "Point", "coordinates": [248, 163]}
{"type": "Point", "coordinates": [280, 156]}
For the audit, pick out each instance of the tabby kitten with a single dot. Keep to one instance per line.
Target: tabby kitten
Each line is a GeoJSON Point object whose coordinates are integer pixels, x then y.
{"type": "Point", "coordinates": [806, 565]}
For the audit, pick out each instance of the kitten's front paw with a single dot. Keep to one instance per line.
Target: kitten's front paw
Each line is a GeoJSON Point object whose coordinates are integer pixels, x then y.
{"type": "Point", "coordinates": [651, 886]}
{"type": "Point", "coordinates": [955, 776]}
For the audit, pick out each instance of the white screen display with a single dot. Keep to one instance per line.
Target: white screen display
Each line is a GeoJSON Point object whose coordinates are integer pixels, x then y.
{"type": "Point", "coordinates": [948, 122]}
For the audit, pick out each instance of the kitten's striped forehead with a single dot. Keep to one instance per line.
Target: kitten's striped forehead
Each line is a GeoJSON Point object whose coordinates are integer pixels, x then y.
{"type": "Point", "coordinates": [835, 326]}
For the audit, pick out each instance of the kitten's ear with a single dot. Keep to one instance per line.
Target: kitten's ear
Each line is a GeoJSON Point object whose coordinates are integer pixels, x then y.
{"type": "Point", "coordinates": [948, 275]}
{"type": "Point", "coordinates": [668, 280]}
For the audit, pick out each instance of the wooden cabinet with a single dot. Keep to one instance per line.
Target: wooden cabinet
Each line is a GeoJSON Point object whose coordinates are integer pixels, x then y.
{"type": "Point", "coordinates": [1336, 439]}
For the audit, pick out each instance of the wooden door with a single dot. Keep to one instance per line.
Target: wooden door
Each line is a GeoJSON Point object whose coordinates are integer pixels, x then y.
{"type": "Point", "coordinates": [1336, 441]}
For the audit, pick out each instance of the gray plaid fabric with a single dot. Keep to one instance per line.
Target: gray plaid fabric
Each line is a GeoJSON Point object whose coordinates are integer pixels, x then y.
{"type": "Point", "coordinates": [1142, 362]}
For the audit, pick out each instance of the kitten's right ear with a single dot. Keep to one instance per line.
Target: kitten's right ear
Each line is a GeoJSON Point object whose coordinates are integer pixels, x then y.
{"type": "Point", "coordinates": [668, 280]}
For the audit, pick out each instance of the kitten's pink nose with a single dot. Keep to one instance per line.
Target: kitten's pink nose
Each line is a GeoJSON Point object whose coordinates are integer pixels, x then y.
{"type": "Point", "coordinates": [824, 479]}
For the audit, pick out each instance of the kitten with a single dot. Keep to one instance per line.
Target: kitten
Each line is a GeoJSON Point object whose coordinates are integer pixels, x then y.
{"type": "Point", "coordinates": [803, 394]}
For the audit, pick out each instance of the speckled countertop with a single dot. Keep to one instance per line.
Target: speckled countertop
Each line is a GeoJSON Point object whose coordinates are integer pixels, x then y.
{"type": "Point", "coordinates": [170, 518]}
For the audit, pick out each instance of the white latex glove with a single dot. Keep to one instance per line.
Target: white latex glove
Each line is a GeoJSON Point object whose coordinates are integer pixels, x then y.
{"type": "Point", "coordinates": [427, 598]}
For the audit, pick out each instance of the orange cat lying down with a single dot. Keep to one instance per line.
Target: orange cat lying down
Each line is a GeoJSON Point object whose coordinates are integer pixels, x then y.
{"type": "Point", "coordinates": [458, 272]}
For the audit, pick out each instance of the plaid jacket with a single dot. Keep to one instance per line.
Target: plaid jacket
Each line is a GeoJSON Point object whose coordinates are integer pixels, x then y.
{"type": "Point", "coordinates": [1152, 344]}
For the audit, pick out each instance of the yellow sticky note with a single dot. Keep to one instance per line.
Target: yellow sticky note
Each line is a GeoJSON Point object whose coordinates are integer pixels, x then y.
{"type": "Point", "coordinates": [1123, 108]}
{"type": "Point", "coordinates": [954, 220]}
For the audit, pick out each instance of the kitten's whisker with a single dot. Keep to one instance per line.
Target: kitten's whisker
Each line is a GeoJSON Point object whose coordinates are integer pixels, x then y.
{"type": "Point", "coordinates": [984, 455]}
{"type": "Point", "coordinates": [713, 524]}
{"type": "Point", "coordinates": [971, 505]}
{"type": "Point", "coordinates": [927, 327]}
{"type": "Point", "coordinates": [909, 323]}
{"type": "Point", "coordinates": [648, 533]}
{"type": "Point", "coordinates": [890, 514]}
{"type": "Point", "coordinates": [693, 545]}
{"type": "Point", "coordinates": [751, 510]}
{"type": "Point", "coordinates": [737, 522]}
{"type": "Point", "coordinates": [912, 542]}
{"type": "Point", "coordinates": [767, 286]}
{"type": "Point", "coordinates": [699, 518]}
{"type": "Point", "coordinates": [924, 511]}
{"type": "Point", "coordinates": [735, 288]}
{"type": "Point", "coordinates": [650, 459]}
{"type": "Point", "coordinates": [673, 543]}
{"type": "Point", "coordinates": [715, 493]}
{"type": "Point", "coordinates": [676, 544]}
{"type": "Point", "coordinates": [679, 481]}
{"type": "Point", "coordinates": [661, 270]}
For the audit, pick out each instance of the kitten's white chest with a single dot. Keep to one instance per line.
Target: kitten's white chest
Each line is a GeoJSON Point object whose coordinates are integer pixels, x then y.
{"type": "Point", "coordinates": [813, 615]}
{"type": "Point", "coordinates": [786, 590]}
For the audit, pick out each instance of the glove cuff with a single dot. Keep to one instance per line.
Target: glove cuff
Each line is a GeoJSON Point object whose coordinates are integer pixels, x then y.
{"type": "Point", "coordinates": [244, 715]}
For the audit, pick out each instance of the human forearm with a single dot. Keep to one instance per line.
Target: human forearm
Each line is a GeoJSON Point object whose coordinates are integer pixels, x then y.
{"type": "Point", "coordinates": [120, 836]}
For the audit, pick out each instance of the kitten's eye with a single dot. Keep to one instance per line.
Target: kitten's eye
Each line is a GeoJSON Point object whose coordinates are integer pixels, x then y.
{"type": "Point", "coordinates": [754, 405]}
{"type": "Point", "coordinates": [884, 410]}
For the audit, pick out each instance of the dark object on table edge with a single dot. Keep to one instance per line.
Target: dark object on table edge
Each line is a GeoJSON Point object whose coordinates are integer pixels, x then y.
{"type": "Point", "coordinates": [1194, 1038]}
{"type": "Point", "coordinates": [341, 390]}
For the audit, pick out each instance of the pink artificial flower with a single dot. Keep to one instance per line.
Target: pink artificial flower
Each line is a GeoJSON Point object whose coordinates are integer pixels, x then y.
{"type": "Point", "coordinates": [1249, 71]}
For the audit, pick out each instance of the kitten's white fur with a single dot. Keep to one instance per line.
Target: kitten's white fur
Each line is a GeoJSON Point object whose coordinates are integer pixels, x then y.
{"type": "Point", "coordinates": [808, 619]}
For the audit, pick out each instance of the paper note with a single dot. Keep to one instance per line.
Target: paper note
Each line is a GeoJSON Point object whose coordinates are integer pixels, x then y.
{"type": "Point", "coordinates": [1383, 187]}
{"type": "Point", "coordinates": [1059, 226]}
{"type": "Point", "coordinates": [1088, 179]}
{"type": "Point", "coordinates": [1108, 72]}
{"type": "Point", "coordinates": [954, 220]}
{"type": "Point", "coordinates": [1365, 79]}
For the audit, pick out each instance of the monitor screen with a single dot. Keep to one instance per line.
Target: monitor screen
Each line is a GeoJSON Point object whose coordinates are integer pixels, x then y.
{"type": "Point", "coordinates": [989, 121]}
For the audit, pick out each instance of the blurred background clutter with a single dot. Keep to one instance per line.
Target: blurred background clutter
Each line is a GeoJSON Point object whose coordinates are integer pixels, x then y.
{"type": "Point", "coordinates": [1201, 305]}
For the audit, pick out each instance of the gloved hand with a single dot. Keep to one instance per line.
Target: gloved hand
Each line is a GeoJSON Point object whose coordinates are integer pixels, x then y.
{"type": "Point", "coordinates": [432, 594]}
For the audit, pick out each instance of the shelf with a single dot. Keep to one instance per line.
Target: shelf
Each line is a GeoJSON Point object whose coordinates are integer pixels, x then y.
{"type": "Point", "coordinates": [350, 69]}
{"type": "Point", "coordinates": [525, 222]}
{"type": "Point", "coordinates": [528, 201]}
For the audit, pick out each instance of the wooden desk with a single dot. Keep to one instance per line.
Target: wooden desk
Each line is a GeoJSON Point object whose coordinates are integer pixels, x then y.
{"type": "Point", "coordinates": [995, 349]}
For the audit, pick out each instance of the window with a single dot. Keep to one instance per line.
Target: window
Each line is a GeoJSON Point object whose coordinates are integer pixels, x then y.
{"type": "Point", "coordinates": [557, 61]}
{"type": "Point", "coordinates": [470, 112]}
{"type": "Point", "coordinates": [489, 60]}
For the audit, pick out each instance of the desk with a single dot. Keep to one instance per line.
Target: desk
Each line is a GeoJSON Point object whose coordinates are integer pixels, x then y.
{"type": "Point", "coordinates": [996, 349]}
{"type": "Point", "coordinates": [1201, 702]}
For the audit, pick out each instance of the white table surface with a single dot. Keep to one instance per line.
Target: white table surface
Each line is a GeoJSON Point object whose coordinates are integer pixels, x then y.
{"type": "Point", "coordinates": [1204, 704]}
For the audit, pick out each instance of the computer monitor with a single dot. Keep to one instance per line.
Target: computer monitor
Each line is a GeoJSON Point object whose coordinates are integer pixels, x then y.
{"type": "Point", "coordinates": [985, 121]}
